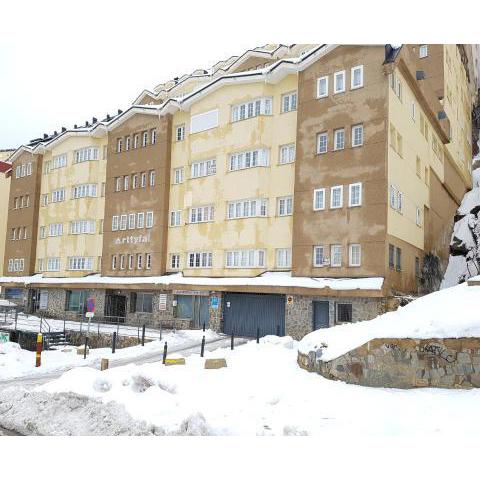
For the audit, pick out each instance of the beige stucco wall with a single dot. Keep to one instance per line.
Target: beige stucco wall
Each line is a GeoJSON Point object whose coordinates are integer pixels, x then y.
{"type": "Point", "coordinates": [4, 195]}
{"type": "Point", "coordinates": [68, 245]}
{"type": "Point", "coordinates": [260, 182]}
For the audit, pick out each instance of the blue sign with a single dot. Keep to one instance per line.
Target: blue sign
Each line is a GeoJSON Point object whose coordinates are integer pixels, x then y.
{"type": "Point", "coordinates": [214, 302]}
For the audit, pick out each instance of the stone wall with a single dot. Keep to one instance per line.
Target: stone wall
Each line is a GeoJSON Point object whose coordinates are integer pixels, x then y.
{"type": "Point", "coordinates": [299, 314]}
{"type": "Point", "coordinates": [404, 363]}
{"type": "Point", "coordinates": [103, 340]}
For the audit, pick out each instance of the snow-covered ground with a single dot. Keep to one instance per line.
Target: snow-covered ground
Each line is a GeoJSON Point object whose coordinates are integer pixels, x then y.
{"type": "Point", "coordinates": [16, 362]}
{"type": "Point", "coordinates": [450, 313]}
{"type": "Point", "coordinates": [261, 392]}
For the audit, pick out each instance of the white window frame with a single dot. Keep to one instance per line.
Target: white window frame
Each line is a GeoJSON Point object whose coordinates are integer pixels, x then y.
{"type": "Point", "coordinates": [351, 247]}
{"type": "Point", "coordinates": [205, 259]}
{"type": "Point", "coordinates": [333, 250]}
{"type": "Point", "coordinates": [141, 220]}
{"type": "Point", "coordinates": [287, 154]}
{"type": "Point", "coordinates": [423, 51]}
{"type": "Point", "coordinates": [249, 159]}
{"type": "Point", "coordinates": [315, 194]}
{"type": "Point", "coordinates": [335, 133]}
{"type": "Point", "coordinates": [178, 176]}
{"type": "Point", "coordinates": [354, 140]}
{"type": "Point", "coordinates": [285, 206]}
{"type": "Point", "coordinates": [352, 77]}
{"type": "Point", "coordinates": [204, 168]}
{"type": "Point", "coordinates": [317, 248]}
{"type": "Point", "coordinates": [248, 208]}
{"type": "Point", "coordinates": [245, 258]}
{"type": "Point", "coordinates": [205, 213]}
{"type": "Point", "coordinates": [180, 133]}
{"type": "Point", "coordinates": [132, 218]}
{"type": "Point", "coordinates": [283, 258]}
{"type": "Point", "coordinates": [149, 220]}
{"type": "Point", "coordinates": [319, 81]}
{"type": "Point", "coordinates": [341, 73]}
{"type": "Point", "coordinates": [175, 218]}
{"type": "Point", "coordinates": [252, 108]}
{"type": "Point", "coordinates": [123, 225]}
{"type": "Point", "coordinates": [418, 216]}
{"type": "Point", "coordinates": [174, 261]}
{"type": "Point", "coordinates": [332, 196]}
{"type": "Point", "coordinates": [115, 223]}
{"type": "Point", "coordinates": [350, 194]}
{"type": "Point", "coordinates": [289, 102]}
{"type": "Point", "coordinates": [144, 139]}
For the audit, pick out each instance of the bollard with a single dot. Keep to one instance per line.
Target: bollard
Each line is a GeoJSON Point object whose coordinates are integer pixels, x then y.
{"type": "Point", "coordinates": [16, 318]}
{"type": "Point", "coordinates": [104, 364]}
{"type": "Point", "coordinates": [231, 342]}
{"type": "Point", "coordinates": [114, 341]}
{"type": "Point", "coordinates": [160, 330]}
{"type": "Point", "coordinates": [143, 335]}
{"type": "Point", "coordinates": [86, 346]}
{"type": "Point", "coordinates": [38, 355]}
{"type": "Point", "coordinates": [202, 349]}
{"type": "Point", "coordinates": [258, 335]}
{"type": "Point", "coordinates": [165, 349]}
{"type": "Point", "coordinates": [203, 326]}
{"type": "Point", "coordinates": [278, 330]}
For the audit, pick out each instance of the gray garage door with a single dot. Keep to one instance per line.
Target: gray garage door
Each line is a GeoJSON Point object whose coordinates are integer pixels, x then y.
{"type": "Point", "coordinates": [245, 312]}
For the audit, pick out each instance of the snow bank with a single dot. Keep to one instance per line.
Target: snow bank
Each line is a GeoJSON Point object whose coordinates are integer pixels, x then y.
{"type": "Point", "coordinates": [450, 313]}
{"type": "Point", "coordinates": [261, 392]}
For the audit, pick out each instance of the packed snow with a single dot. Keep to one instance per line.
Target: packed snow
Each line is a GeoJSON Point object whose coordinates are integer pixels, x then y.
{"type": "Point", "coordinates": [449, 313]}
{"type": "Point", "coordinates": [16, 362]}
{"type": "Point", "coordinates": [261, 392]}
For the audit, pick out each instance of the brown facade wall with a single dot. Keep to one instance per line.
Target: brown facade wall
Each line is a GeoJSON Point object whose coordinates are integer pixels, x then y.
{"type": "Point", "coordinates": [23, 217]}
{"type": "Point", "coordinates": [432, 65]}
{"type": "Point", "coordinates": [135, 161]}
{"type": "Point", "coordinates": [367, 164]}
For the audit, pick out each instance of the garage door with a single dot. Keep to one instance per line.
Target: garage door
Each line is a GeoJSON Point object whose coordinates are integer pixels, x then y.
{"type": "Point", "coordinates": [245, 312]}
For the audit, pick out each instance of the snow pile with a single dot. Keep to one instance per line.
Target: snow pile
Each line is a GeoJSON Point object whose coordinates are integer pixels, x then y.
{"type": "Point", "coordinates": [261, 392]}
{"type": "Point", "coordinates": [450, 313]}
{"type": "Point", "coordinates": [15, 362]}
{"type": "Point", "coordinates": [464, 261]}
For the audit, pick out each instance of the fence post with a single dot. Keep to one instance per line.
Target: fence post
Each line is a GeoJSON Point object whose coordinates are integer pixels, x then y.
{"type": "Point", "coordinates": [202, 350]}
{"type": "Point", "coordinates": [143, 335]}
{"type": "Point", "coordinates": [203, 326]}
{"type": "Point", "coordinates": [16, 318]}
{"type": "Point", "coordinates": [114, 341]}
{"type": "Point", "coordinates": [160, 330]}
{"type": "Point", "coordinates": [232, 341]}
{"type": "Point", "coordinates": [174, 324]}
{"type": "Point", "coordinates": [258, 334]}
{"type": "Point", "coordinates": [118, 324]}
{"type": "Point", "coordinates": [86, 346]}
{"type": "Point", "coordinates": [165, 349]}
{"type": "Point", "coordinates": [38, 354]}
{"type": "Point", "coordinates": [98, 328]}
{"type": "Point", "coordinates": [64, 327]}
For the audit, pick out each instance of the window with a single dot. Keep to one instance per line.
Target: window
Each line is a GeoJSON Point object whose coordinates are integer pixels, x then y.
{"type": "Point", "coordinates": [140, 220]}
{"type": "Point", "coordinates": [355, 195]}
{"type": "Point", "coordinates": [396, 199]}
{"type": "Point", "coordinates": [203, 169]}
{"type": "Point", "coordinates": [76, 300]}
{"type": "Point", "coordinates": [55, 230]}
{"type": "Point", "coordinates": [247, 208]}
{"type": "Point", "coordinates": [339, 139]}
{"type": "Point", "coordinates": [86, 154]}
{"type": "Point", "coordinates": [131, 221]}
{"type": "Point", "coordinates": [336, 197]}
{"type": "Point", "coordinates": [130, 262]}
{"type": "Point", "coordinates": [123, 222]}
{"type": "Point", "coordinates": [127, 143]}
{"type": "Point", "coordinates": [245, 259]}
{"type": "Point", "coordinates": [200, 259]}
{"type": "Point", "coordinates": [43, 232]}
{"type": "Point", "coordinates": [322, 87]}
{"type": "Point", "coordinates": [79, 227]}
{"type": "Point", "coordinates": [135, 181]}
{"type": "Point", "coordinates": [419, 167]}
{"type": "Point", "coordinates": [289, 102]}
{"type": "Point", "coordinates": [287, 154]}
{"type": "Point", "coordinates": [115, 223]}
{"type": "Point", "coordinates": [139, 261]}
{"type": "Point", "coordinates": [414, 111]}
{"type": "Point", "coordinates": [29, 168]}
{"type": "Point", "coordinates": [175, 260]}
{"type": "Point", "coordinates": [178, 175]}
{"type": "Point", "coordinates": [355, 255]}
{"type": "Point", "coordinates": [53, 264]}
{"type": "Point", "coordinates": [10, 264]}
{"type": "Point", "coordinates": [80, 263]}
{"type": "Point", "coordinates": [148, 261]}
{"type": "Point", "coordinates": [58, 161]}
{"type": "Point", "coordinates": [119, 145]}
{"type": "Point", "coordinates": [126, 182]}
{"type": "Point", "coordinates": [319, 256]}
{"type": "Point", "coordinates": [319, 199]}
{"type": "Point", "coordinates": [249, 159]}
{"type": "Point", "coordinates": [418, 217]}
{"type": "Point", "coordinates": [339, 82]}
{"type": "Point", "coordinates": [27, 201]}
{"type": "Point", "coordinates": [356, 77]}
{"type": "Point", "coordinates": [122, 262]}
{"type": "Point", "coordinates": [344, 312]}
{"type": "Point", "coordinates": [423, 51]}
{"type": "Point", "coordinates": [143, 179]}
{"type": "Point", "coordinates": [20, 231]}
{"type": "Point", "coordinates": [85, 190]}
{"type": "Point", "coordinates": [153, 136]}
{"type": "Point", "coordinates": [141, 302]}
{"type": "Point", "coordinates": [398, 259]}
{"type": "Point", "coordinates": [202, 214]}
{"type": "Point", "coordinates": [40, 265]}
{"type": "Point", "coordinates": [118, 184]}
{"type": "Point", "coordinates": [180, 133]}
{"type": "Point", "coordinates": [175, 218]}
{"type": "Point", "coordinates": [391, 256]}
{"type": "Point", "coordinates": [45, 198]}
{"type": "Point", "coordinates": [144, 139]}
{"type": "Point", "coordinates": [114, 262]}
{"type": "Point", "coordinates": [357, 135]}
{"type": "Point", "coordinates": [284, 206]}
{"type": "Point", "coordinates": [24, 233]}
{"type": "Point", "coordinates": [322, 142]}
{"type": "Point", "coordinates": [203, 121]}
{"type": "Point", "coordinates": [259, 106]}
{"type": "Point", "coordinates": [399, 144]}
{"type": "Point", "coordinates": [136, 139]}
{"type": "Point", "coordinates": [149, 223]}
{"type": "Point", "coordinates": [152, 178]}
{"type": "Point", "coordinates": [13, 235]}
{"type": "Point", "coordinates": [283, 257]}
{"type": "Point", "coordinates": [336, 256]}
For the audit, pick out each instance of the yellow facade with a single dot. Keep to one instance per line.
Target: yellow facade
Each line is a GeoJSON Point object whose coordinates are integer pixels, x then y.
{"type": "Point", "coordinates": [70, 245]}
{"type": "Point", "coordinates": [4, 195]}
{"type": "Point", "coordinates": [260, 132]}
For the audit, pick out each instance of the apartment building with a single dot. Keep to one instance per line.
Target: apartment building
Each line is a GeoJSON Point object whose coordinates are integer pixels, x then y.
{"type": "Point", "coordinates": [287, 189]}
{"type": "Point", "coordinates": [5, 171]}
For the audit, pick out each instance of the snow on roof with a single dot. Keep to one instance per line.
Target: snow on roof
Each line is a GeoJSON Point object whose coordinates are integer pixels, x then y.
{"type": "Point", "coordinates": [448, 313]}
{"type": "Point", "coordinates": [275, 279]}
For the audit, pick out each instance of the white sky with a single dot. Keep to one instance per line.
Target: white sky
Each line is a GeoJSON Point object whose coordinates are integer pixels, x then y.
{"type": "Point", "coordinates": [61, 64]}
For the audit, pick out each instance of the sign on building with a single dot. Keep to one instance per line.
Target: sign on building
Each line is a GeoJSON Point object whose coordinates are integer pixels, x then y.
{"type": "Point", "coordinates": [214, 302]}
{"type": "Point", "coordinates": [43, 304]}
{"type": "Point", "coordinates": [162, 305]}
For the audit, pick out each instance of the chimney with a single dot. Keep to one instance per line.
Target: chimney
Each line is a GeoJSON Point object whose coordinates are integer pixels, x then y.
{"type": "Point", "coordinates": [64, 129]}
{"type": "Point", "coordinates": [75, 126]}
{"type": "Point", "coordinates": [55, 133]}
{"type": "Point", "coordinates": [87, 124]}
{"type": "Point", "coordinates": [45, 135]}
{"type": "Point", "coordinates": [119, 111]}
{"type": "Point", "coordinates": [108, 117]}
{"type": "Point", "coordinates": [94, 121]}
